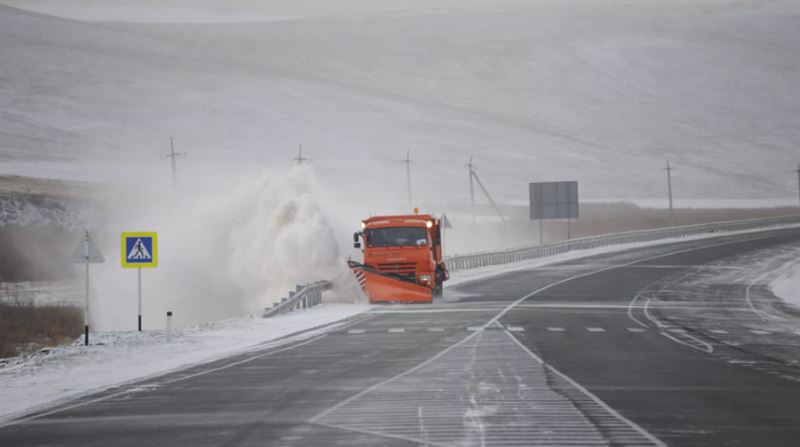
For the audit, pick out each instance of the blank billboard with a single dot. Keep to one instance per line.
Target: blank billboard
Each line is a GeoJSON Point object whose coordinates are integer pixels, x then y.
{"type": "Point", "coordinates": [554, 200]}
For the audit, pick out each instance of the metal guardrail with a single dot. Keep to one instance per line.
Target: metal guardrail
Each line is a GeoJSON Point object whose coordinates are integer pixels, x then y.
{"type": "Point", "coordinates": [303, 297]}
{"type": "Point", "coordinates": [475, 260]}
{"type": "Point", "coordinates": [310, 295]}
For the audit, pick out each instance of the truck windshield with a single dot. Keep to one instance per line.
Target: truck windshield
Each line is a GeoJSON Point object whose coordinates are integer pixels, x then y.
{"type": "Point", "coordinates": [397, 237]}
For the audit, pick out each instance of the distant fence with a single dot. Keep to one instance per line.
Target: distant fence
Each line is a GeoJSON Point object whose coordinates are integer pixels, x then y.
{"type": "Point", "coordinates": [475, 260]}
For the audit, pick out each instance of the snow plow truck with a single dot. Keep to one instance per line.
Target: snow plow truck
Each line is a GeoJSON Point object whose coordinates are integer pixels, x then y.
{"type": "Point", "coordinates": [402, 258]}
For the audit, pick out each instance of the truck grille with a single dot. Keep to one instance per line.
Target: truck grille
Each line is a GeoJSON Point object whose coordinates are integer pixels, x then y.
{"type": "Point", "coordinates": [403, 269]}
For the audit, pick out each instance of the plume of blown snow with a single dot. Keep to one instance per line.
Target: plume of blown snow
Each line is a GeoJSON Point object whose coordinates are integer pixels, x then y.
{"type": "Point", "coordinates": [223, 251]}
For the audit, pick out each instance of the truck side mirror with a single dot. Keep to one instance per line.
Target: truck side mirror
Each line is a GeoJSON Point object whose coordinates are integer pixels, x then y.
{"type": "Point", "coordinates": [356, 242]}
{"type": "Point", "coordinates": [357, 245]}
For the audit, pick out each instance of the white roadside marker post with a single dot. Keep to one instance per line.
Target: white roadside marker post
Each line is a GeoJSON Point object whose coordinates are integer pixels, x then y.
{"type": "Point", "coordinates": [169, 326]}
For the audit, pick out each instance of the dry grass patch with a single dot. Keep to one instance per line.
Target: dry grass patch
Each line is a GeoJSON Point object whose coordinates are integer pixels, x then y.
{"type": "Point", "coordinates": [26, 328]}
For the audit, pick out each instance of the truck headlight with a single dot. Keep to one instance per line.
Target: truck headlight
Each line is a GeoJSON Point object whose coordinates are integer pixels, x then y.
{"type": "Point", "coordinates": [425, 278]}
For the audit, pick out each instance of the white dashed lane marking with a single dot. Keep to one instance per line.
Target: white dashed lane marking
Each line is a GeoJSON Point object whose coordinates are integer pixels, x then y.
{"type": "Point", "coordinates": [758, 332]}
{"type": "Point", "coordinates": [718, 331]}
{"type": "Point", "coordinates": [635, 330]}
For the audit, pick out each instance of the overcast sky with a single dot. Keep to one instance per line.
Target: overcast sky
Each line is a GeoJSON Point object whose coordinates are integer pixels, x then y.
{"type": "Point", "coordinates": [210, 11]}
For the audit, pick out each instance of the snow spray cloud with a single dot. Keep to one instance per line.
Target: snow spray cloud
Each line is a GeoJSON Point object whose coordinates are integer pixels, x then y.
{"type": "Point", "coordinates": [224, 252]}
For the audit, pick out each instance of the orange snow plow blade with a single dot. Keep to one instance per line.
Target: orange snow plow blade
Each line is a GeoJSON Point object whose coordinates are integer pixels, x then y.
{"type": "Point", "coordinates": [385, 289]}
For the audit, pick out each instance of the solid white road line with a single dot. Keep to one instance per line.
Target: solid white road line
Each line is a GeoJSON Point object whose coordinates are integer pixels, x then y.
{"type": "Point", "coordinates": [701, 345]}
{"type": "Point", "coordinates": [764, 316]}
{"type": "Point", "coordinates": [630, 312]}
{"type": "Point", "coordinates": [591, 396]}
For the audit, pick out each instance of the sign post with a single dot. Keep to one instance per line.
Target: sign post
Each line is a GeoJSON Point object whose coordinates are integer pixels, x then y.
{"type": "Point", "coordinates": [86, 252]}
{"type": "Point", "coordinates": [445, 225]}
{"type": "Point", "coordinates": [139, 250]}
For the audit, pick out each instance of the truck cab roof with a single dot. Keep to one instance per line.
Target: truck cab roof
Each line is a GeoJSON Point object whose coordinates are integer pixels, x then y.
{"type": "Point", "coordinates": [409, 220]}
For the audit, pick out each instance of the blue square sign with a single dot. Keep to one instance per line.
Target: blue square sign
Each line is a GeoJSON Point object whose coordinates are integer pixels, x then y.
{"type": "Point", "coordinates": [139, 249]}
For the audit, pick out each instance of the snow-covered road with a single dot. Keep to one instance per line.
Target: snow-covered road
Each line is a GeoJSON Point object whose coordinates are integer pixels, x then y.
{"type": "Point", "coordinates": [114, 358]}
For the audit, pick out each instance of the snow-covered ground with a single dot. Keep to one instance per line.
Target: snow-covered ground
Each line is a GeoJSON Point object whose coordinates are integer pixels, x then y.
{"type": "Point", "coordinates": [599, 92]}
{"type": "Point", "coordinates": [787, 285]}
{"type": "Point", "coordinates": [114, 358]}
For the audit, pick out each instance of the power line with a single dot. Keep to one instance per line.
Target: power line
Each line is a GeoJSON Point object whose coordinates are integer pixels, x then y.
{"type": "Point", "coordinates": [473, 174]}
{"type": "Point", "coordinates": [471, 189]}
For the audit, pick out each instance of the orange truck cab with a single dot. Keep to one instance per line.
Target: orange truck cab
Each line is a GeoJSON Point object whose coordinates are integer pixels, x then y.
{"type": "Point", "coordinates": [402, 258]}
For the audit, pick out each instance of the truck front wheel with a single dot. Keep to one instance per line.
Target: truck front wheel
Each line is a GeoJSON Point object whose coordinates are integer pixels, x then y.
{"type": "Point", "coordinates": [438, 288]}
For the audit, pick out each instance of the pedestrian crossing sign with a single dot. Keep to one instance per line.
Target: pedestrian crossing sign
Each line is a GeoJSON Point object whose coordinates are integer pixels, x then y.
{"type": "Point", "coordinates": [139, 249]}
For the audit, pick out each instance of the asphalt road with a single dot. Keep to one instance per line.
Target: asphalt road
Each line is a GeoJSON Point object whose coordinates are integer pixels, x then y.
{"type": "Point", "coordinates": [672, 344]}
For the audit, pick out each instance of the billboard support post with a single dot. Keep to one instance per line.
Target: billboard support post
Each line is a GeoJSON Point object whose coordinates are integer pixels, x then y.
{"type": "Point", "coordinates": [569, 230]}
{"type": "Point", "coordinates": [541, 231]}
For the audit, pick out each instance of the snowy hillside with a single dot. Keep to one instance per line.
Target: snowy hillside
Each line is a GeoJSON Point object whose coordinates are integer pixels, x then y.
{"type": "Point", "coordinates": [601, 93]}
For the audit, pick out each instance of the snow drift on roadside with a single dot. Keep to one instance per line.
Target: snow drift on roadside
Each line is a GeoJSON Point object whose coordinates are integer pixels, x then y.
{"type": "Point", "coordinates": [787, 286]}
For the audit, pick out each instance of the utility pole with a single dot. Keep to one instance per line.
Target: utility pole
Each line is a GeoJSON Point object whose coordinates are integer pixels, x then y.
{"type": "Point", "coordinates": [408, 162]}
{"type": "Point", "coordinates": [300, 159]}
{"type": "Point", "coordinates": [669, 170]}
{"type": "Point", "coordinates": [471, 189]}
{"type": "Point", "coordinates": [798, 181]}
{"type": "Point", "coordinates": [173, 155]}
